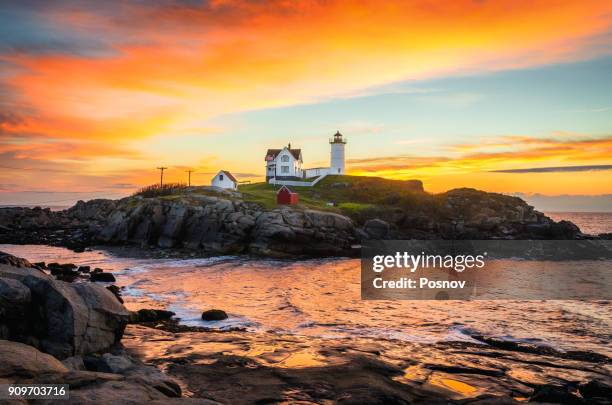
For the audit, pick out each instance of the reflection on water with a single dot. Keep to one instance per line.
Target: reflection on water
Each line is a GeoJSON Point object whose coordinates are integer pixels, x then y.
{"type": "Point", "coordinates": [459, 387]}
{"type": "Point", "coordinates": [322, 298]}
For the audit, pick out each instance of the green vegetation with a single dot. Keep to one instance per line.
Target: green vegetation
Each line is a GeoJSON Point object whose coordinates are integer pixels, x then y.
{"type": "Point", "coordinates": [156, 190]}
{"type": "Point", "coordinates": [358, 197]}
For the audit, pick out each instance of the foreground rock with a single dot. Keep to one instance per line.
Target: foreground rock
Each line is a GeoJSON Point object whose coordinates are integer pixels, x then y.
{"type": "Point", "coordinates": [58, 318]}
{"type": "Point", "coordinates": [246, 368]}
{"type": "Point", "coordinates": [43, 321]}
{"type": "Point", "coordinates": [123, 381]}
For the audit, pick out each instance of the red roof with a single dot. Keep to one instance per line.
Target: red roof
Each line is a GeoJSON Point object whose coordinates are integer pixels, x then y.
{"type": "Point", "coordinates": [274, 153]}
{"type": "Point", "coordinates": [230, 176]}
{"type": "Point", "coordinates": [286, 188]}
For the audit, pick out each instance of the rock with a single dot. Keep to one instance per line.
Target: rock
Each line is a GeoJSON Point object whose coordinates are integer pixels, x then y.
{"type": "Point", "coordinates": [152, 377]}
{"type": "Point", "coordinates": [84, 269]}
{"type": "Point", "coordinates": [15, 299]}
{"type": "Point", "coordinates": [137, 384]}
{"type": "Point", "coordinates": [173, 225]}
{"type": "Point", "coordinates": [13, 292]}
{"type": "Point", "coordinates": [62, 319]}
{"type": "Point", "coordinates": [116, 292]}
{"type": "Point", "coordinates": [151, 315]}
{"type": "Point", "coordinates": [555, 394]}
{"type": "Point", "coordinates": [41, 265]}
{"type": "Point", "coordinates": [11, 260]}
{"type": "Point", "coordinates": [564, 230]}
{"type": "Point", "coordinates": [102, 277]}
{"type": "Point", "coordinates": [67, 276]}
{"type": "Point", "coordinates": [74, 363]}
{"type": "Point", "coordinates": [376, 228]}
{"type": "Point", "coordinates": [214, 315]}
{"type": "Point", "coordinates": [23, 361]}
{"type": "Point", "coordinates": [110, 363]}
{"type": "Point", "coordinates": [595, 391]}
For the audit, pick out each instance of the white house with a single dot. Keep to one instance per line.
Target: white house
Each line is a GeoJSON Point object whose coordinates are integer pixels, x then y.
{"type": "Point", "coordinates": [284, 163]}
{"type": "Point", "coordinates": [224, 179]}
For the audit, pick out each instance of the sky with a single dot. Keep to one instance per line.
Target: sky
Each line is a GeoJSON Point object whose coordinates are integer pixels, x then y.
{"type": "Point", "coordinates": [505, 96]}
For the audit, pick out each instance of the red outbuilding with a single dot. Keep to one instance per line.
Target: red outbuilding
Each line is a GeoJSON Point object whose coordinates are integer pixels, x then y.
{"type": "Point", "coordinates": [286, 196]}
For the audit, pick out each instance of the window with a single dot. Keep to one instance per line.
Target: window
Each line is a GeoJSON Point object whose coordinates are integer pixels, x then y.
{"type": "Point", "coordinates": [284, 169]}
{"type": "Point", "coordinates": [284, 158]}
{"type": "Point", "coordinates": [338, 170]}
{"type": "Point", "coordinates": [221, 177]}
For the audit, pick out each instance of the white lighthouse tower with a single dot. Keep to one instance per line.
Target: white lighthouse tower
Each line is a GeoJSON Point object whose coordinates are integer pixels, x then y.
{"type": "Point", "coordinates": [337, 154]}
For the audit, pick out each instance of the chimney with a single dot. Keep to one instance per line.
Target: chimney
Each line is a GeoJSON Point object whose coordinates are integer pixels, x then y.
{"type": "Point", "coordinates": [289, 146]}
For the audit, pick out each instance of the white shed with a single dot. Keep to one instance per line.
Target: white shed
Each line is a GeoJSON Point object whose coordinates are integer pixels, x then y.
{"type": "Point", "coordinates": [224, 179]}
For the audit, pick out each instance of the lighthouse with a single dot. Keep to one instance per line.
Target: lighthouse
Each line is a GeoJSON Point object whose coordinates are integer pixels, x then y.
{"type": "Point", "coordinates": [337, 154]}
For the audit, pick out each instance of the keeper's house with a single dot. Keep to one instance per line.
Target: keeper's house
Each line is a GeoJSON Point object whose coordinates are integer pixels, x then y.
{"type": "Point", "coordinates": [286, 164]}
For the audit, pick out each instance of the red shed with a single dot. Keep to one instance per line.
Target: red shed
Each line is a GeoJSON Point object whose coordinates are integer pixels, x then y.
{"type": "Point", "coordinates": [286, 196]}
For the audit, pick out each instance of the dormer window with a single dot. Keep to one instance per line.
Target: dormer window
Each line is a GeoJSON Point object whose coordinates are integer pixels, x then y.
{"type": "Point", "coordinates": [284, 158]}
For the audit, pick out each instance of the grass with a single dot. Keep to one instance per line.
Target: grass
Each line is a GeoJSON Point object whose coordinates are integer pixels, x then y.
{"type": "Point", "coordinates": [358, 197]}
{"type": "Point", "coordinates": [156, 190]}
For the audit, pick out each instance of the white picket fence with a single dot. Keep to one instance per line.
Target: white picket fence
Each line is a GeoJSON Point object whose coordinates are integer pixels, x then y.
{"type": "Point", "coordinates": [295, 183]}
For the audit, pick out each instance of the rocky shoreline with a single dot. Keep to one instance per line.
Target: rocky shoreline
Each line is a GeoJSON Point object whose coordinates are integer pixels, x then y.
{"type": "Point", "coordinates": [224, 224]}
{"type": "Point", "coordinates": [80, 334]}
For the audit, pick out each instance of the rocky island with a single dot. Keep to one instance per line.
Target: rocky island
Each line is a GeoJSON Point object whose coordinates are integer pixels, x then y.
{"type": "Point", "coordinates": [331, 220]}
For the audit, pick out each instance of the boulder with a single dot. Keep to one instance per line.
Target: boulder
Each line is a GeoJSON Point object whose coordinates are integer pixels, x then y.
{"type": "Point", "coordinates": [376, 229]}
{"type": "Point", "coordinates": [22, 361]}
{"type": "Point", "coordinates": [131, 384]}
{"type": "Point", "coordinates": [11, 260]}
{"type": "Point", "coordinates": [151, 315]}
{"type": "Point", "coordinates": [102, 277]}
{"type": "Point", "coordinates": [62, 319]}
{"type": "Point", "coordinates": [214, 315]}
{"type": "Point", "coordinates": [110, 363]}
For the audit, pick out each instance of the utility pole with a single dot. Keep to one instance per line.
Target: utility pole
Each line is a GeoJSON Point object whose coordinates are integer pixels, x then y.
{"type": "Point", "coordinates": [161, 177]}
{"type": "Point", "coordinates": [189, 171]}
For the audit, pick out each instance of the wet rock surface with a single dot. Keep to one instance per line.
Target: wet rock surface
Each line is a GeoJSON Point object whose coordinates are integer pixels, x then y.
{"type": "Point", "coordinates": [214, 315]}
{"type": "Point", "coordinates": [242, 367]}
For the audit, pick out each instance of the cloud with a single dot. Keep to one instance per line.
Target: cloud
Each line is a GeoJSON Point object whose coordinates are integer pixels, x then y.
{"type": "Point", "coordinates": [557, 169]}
{"type": "Point", "coordinates": [7, 186]}
{"type": "Point", "coordinates": [84, 86]}
{"type": "Point", "coordinates": [494, 152]}
{"type": "Point", "coordinates": [160, 65]}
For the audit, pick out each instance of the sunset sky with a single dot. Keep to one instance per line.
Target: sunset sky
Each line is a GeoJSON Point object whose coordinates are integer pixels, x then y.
{"type": "Point", "coordinates": [507, 96]}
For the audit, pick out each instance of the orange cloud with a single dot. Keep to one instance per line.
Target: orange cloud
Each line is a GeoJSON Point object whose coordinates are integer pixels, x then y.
{"type": "Point", "coordinates": [476, 167]}
{"type": "Point", "coordinates": [164, 70]}
{"type": "Point", "coordinates": [167, 66]}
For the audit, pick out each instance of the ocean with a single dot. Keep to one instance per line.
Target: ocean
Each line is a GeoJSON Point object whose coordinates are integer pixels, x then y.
{"type": "Point", "coordinates": [592, 223]}
{"type": "Point", "coordinates": [320, 298]}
